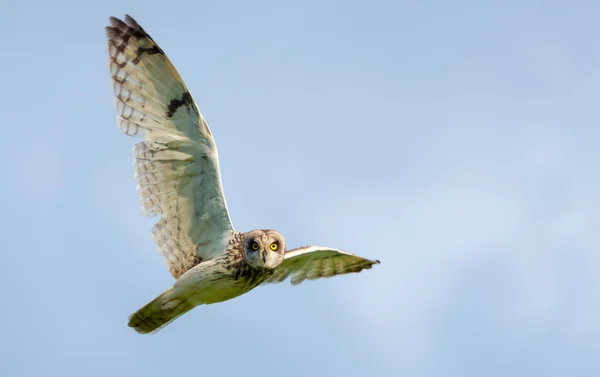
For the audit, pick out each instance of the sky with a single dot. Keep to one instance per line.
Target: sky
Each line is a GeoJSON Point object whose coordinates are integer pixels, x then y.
{"type": "Point", "coordinates": [457, 142]}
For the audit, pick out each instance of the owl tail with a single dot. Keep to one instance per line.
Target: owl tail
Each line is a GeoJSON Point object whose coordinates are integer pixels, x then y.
{"type": "Point", "coordinates": [159, 312]}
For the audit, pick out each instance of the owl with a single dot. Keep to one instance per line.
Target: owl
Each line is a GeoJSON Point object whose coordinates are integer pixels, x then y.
{"type": "Point", "coordinates": [178, 179]}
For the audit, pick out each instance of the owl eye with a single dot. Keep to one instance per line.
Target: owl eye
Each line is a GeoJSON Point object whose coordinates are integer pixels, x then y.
{"type": "Point", "coordinates": [254, 245]}
{"type": "Point", "coordinates": [274, 246]}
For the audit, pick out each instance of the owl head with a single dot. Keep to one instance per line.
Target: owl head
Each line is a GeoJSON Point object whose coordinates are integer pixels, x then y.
{"type": "Point", "coordinates": [264, 248]}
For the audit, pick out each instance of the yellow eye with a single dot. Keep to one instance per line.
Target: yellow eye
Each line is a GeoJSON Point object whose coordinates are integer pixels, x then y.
{"type": "Point", "coordinates": [255, 246]}
{"type": "Point", "coordinates": [274, 246]}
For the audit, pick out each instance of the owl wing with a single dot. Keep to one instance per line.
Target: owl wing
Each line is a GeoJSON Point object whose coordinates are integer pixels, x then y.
{"type": "Point", "coordinates": [176, 164]}
{"type": "Point", "coordinates": [313, 262]}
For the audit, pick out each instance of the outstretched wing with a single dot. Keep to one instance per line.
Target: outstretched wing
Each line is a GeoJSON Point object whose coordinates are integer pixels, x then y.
{"type": "Point", "coordinates": [176, 165]}
{"type": "Point", "coordinates": [313, 262]}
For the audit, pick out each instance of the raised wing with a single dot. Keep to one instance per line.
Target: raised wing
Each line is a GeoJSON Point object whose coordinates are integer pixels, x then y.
{"type": "Point", "coordinates": [313, 262]}
{"type": "Point", "coordinates": [177, 165]}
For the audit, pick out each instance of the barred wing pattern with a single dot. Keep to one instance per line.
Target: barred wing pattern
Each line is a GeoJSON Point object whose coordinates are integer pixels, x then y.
{"type": "Point", "coordinates": [313, 262]}
{"type": "Point", "coordinates": [177, 164]}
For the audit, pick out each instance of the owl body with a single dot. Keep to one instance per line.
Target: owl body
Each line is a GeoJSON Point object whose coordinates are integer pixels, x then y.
{"type": "Point", "coordinates": [248, 261]}
{"type": "Point", "coordinates": [230, 275]}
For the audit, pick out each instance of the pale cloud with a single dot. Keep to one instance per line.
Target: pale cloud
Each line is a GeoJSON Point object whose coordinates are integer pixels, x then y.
{"type": "Point", "coordinates": [434, 232]}
{"type": "Point", "coordinates": [429, 232]}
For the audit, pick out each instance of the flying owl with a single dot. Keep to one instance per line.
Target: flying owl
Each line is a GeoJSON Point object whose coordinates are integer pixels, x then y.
{"type": "Point", "coordinates": [178, 179]}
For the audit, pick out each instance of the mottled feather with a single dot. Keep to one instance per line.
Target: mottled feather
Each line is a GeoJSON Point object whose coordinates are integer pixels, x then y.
{"type": "Point", "coordinates": [313, 262]}
{"type": "Point", "coordinates": [176, 165]}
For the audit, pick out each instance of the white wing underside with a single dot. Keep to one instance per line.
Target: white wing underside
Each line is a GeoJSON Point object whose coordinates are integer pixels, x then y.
{"type": "Point", "coordinates": [314, 262]}
{"type": "Point", "coordinates": [176, 165]}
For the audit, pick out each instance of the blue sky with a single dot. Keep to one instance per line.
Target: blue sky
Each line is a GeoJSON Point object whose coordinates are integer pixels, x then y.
{"type": "Point", "coordinates": [455, 141]}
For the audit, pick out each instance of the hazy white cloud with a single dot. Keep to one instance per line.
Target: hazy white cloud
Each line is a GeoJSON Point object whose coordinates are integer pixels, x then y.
{"type": "Point", "coordinates": [431, 231]}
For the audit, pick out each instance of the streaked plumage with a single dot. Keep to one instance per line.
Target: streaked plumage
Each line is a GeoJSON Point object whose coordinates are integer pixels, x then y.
{"type": "Point", "coordinates": [177, 174]}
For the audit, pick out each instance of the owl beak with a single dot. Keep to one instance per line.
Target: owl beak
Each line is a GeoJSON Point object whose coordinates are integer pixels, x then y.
{"type": "Point", "coordinates": [264, 256]}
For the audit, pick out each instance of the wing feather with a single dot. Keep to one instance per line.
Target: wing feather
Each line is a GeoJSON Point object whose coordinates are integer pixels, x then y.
{"type": "Point", "coordinates": [177, 164]}
{"type": "Point", "coordinates": [314, 262]}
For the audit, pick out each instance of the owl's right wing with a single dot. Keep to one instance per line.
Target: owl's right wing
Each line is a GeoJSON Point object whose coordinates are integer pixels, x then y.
{"type": "Point", "coordinates": [314, 262]}
{"type": "Point", "coordinates": [176, 164]}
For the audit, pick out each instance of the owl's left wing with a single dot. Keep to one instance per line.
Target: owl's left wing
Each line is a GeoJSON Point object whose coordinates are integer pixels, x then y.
{"type": "Point", "coordinates": [313, 262]}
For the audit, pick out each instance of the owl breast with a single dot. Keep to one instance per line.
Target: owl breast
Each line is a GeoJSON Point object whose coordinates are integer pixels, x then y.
{"type": "Point", "coordinates": [229, 277]}
{"type": "Point", "coordinates": [251, 277]}
{"type": "Point", "coordinates": [217, 284]}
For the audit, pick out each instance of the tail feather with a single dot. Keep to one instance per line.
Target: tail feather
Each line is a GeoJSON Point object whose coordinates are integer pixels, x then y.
{"type": "Point", "coordinates": [159, 312]}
